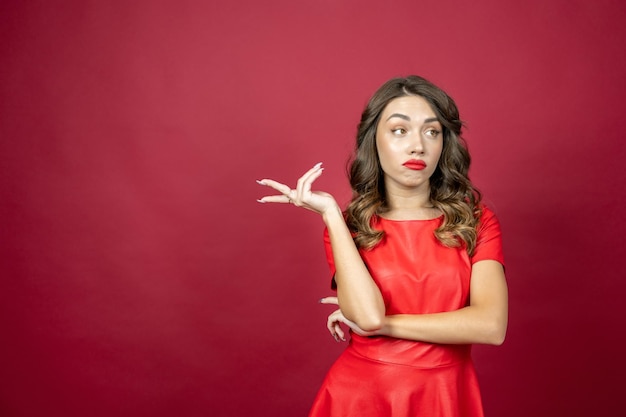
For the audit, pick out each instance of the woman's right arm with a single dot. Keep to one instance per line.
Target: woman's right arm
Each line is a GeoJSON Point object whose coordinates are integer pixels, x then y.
{"type": "Point", "coordinates": [360, 299]}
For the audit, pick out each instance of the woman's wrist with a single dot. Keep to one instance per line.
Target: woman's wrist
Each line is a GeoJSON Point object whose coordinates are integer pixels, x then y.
{"type": "Point", "coordinates": [385, 328]}
{"type": "Point", "coordinates": [333, 215]}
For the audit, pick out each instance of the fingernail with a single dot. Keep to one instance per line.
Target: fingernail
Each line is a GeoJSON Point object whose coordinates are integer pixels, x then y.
{"type": "Point", "coordinates": [319, 164]}
{"type": "Point", "coordinates": [321, 299]}
{"type": "Point", "coordinates": [260, 182]}
{"type": "Point", "coordinates": [261, 201]}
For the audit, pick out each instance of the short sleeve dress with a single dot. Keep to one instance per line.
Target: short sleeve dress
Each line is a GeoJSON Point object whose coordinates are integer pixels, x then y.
{"type": "Point", "coordinates": [386, 377]}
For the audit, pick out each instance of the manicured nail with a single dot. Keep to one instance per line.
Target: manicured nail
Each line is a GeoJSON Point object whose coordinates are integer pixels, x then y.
{"type": "Point", "coordinates": [260, 182]}
{"type": "Point", "coordinates": [318, 165]}
{"type": "Point", "coordinates": [261, 201]}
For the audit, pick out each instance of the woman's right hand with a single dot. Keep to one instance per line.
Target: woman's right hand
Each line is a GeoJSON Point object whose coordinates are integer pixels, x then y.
{"type": "Point", "coordinates": [336, 318]}
{"type": "Point", "coordinates": [302, 196]}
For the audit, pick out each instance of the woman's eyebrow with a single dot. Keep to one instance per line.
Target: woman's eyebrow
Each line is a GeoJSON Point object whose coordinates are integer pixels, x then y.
{"type": "Point", "coordinates": [408, 119]}
{"type": "Point", "coordinates": [402, 116]}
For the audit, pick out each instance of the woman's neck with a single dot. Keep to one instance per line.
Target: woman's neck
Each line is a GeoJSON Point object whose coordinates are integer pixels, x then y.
{"type": "Point", "coordinates": [410, 205]}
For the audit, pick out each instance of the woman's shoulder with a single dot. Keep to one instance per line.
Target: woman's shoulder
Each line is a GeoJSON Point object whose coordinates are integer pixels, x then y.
{"type": "Point", "coordinates": [485, 207]}
{"type": "Point", "coordinates": [486, 214]}
{"type": "Point", "coordinates": [488, 223]}
{"type": "Point", "coordinates": [489, 239]}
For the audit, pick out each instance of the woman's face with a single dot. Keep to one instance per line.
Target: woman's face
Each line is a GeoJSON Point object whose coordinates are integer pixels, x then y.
{"type": "Point", "coordinates": [409, 141]}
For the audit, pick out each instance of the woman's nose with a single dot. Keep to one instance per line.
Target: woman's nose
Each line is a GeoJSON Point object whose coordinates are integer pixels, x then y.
{"type": "Point", "coordinates": [416, 145]}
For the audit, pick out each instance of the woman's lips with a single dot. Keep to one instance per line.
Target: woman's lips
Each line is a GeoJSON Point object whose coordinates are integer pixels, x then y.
{"type": "Point", "coordinates": [415, 164]}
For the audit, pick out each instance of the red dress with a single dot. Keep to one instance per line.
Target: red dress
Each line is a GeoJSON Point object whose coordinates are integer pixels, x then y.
{"type": "Point", "coordinates": [386, 377]}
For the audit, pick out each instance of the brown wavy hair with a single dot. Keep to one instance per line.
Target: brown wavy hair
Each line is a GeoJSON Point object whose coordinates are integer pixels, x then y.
{"type": "Point", "coordinates": [450, 188]}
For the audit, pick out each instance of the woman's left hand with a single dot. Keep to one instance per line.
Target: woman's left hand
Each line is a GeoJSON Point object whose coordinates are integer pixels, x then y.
{"type": "Point", "coordinates": [335, 319]}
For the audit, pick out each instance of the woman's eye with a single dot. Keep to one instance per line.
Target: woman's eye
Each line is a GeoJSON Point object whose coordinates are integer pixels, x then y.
{"type": "Point", "coordinates": [432, 132]}
{"type": "Point", "coordinates": [399, 131]}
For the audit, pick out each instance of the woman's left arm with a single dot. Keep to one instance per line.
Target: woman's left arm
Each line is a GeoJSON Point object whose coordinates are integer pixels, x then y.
{"type": "Point", "coordinates": [483, 321]}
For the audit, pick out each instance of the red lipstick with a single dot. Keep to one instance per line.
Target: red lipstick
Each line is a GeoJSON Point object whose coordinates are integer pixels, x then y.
{"type": "Point", "coordinates": [415, 164]}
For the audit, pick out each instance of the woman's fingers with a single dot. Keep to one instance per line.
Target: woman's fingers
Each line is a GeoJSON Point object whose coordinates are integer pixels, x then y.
{"type": "Point", "coordinates": [275, 199]}
{"type": "Point", "coordinates": [334, 319]}
{"type": "Point", "coordinates": [333, 325]}
{"type": "Point", "coordinates": [280, 187]}
{"type": "Point", "coordinates": [333, 333]}
{"type": "Point", "coordinates": [339, 332]}
{"type": "Point", "coordinates": [330, 325]}
{"type": "Point", "coordinates": [303, 188]}
{"type": "Point", "coordinates": [299, 196]}
{"type": "Point", "coordinates": [329, 300]}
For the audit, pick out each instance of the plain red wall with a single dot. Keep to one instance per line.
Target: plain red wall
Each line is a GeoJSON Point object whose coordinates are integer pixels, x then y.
{"type": "Point", "coordinates": [141, 278]}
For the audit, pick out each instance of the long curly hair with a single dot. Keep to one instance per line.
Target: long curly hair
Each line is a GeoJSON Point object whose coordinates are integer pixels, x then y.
{"type": "Point", "coordinates": [450, 188]}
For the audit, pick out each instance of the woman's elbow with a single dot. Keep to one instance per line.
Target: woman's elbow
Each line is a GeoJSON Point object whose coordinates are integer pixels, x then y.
{"type": "Point", "coordinates": [371, 323]}
{"type": "Point", "coordinates": [496, 334]}
{"type": "Point", "coordinates": [497, 339]}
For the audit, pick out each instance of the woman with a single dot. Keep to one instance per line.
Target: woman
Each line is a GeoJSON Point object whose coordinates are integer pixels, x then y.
{"type": "Point", "coordinates": [416, 260]}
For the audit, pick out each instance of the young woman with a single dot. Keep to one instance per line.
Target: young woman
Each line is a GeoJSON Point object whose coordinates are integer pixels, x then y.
{"type": "Point", "coordinates": [416, 261]}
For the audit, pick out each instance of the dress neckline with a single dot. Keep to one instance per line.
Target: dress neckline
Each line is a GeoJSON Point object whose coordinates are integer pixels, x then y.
{"type": "Point", "coordinates": [410, 220]}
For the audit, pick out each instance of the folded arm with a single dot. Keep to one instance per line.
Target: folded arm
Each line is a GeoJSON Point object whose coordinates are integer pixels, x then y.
{"type": "Point", "coordinates": [359, 297]}
{"type": "Point", "coordinates": [483, 321]}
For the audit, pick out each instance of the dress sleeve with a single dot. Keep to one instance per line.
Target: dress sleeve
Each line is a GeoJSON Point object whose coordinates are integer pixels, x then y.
{"type": "Point", "coordinates": [489, 241]}
{"type": "Point", "coordinates": [330, 259]}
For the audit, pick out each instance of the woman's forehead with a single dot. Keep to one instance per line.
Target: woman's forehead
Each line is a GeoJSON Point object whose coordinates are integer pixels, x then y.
{"type": "Point", "coordinates": [409, 108]}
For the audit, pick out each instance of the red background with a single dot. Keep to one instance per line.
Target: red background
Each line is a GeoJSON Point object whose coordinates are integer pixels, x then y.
{"type": "Point", "coordinates": [141, 278]}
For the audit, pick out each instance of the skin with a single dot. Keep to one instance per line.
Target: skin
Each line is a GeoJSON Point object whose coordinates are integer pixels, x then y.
{"type": "Point", "coordinates": [407, 130]}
